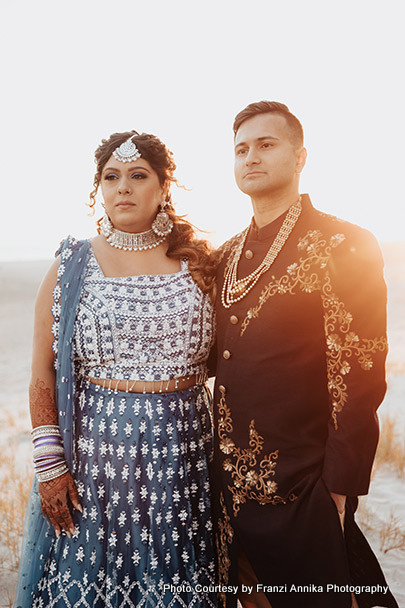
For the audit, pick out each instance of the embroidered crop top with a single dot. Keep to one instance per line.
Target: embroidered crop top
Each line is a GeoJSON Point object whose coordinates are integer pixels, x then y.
{"type": "Point", "coordinates": [147, 327]}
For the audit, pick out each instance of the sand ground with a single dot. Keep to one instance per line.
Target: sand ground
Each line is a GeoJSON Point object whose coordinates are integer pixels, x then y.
{"type": "Point", "coordinates": [18, 284]}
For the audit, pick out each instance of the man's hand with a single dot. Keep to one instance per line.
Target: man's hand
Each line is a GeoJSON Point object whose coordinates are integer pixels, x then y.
{"type": "Point", "coordinates": [340, 502]}
{"type": "Point", "coordinates": [54, 502]}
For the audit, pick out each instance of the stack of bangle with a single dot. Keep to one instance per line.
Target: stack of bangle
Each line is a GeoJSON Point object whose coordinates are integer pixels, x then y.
{"type": "Point", "coordinates": [49, 455]}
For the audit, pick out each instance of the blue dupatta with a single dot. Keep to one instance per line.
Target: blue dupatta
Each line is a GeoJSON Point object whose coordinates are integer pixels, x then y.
{"type": "Point", "coordinates": [38, 534]}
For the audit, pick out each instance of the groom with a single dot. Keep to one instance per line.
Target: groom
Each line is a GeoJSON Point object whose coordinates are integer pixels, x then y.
{"type": "Point", "coordinates": [301, 350]}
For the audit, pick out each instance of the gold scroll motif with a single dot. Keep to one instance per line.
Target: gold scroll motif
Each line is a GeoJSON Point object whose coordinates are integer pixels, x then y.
{"type": "Point", "coordinates": [223, 541]}
{"type": "Point", "coordinates": [341, 343]}
{"type": "Point", "coordinates": [226, 248]}
{"type": "Point", "coordinates": [252, 479]}
{"type": "Point", "coordinates": [299, 274]}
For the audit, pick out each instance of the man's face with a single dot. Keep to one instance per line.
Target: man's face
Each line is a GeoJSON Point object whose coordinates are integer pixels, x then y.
{"type": "Point", "coordinates": [266, 161]}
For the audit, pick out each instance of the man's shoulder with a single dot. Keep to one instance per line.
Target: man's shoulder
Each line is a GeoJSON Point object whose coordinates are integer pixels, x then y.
{"type": "Point", "coordinates": [331, 225]}
{"type": "Point", "coordinates": [224, 249]}
{"type": "Point", "coordinates": [71, 245]}
{"type": "Point", "coordinates": [349, 241]}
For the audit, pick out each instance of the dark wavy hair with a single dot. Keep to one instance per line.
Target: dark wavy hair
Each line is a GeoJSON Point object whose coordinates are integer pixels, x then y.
{"type": "Point", "coordinates": [183, 242]}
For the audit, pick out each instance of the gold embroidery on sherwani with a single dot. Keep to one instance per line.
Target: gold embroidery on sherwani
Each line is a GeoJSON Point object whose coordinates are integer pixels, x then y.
{"type": "Point", "coordinates": [226, 248]}
{"type": "Point", "coordinates": [251, 477]}
{"type": "Point", "coordinates": [299, 273]}
{"type": "Point", "coordinates": [224, 538]}
{"type": "Point", "coordinates": [341, 343]}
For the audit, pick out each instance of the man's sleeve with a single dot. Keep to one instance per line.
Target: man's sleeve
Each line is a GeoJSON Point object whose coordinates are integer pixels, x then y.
{"type": "Point", "coordinates": [354, 299]}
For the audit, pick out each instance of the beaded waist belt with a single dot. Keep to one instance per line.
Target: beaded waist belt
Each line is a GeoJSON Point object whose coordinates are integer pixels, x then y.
{"type": "Point", "coordinates": [159, 386]}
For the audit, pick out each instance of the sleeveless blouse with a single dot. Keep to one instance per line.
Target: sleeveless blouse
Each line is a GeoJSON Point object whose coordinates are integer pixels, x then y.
{"type": "Point", "coordinates": [146, 327]}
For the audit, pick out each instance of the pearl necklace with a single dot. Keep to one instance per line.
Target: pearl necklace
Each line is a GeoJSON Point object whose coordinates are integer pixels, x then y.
{"type": "Point", "coordinates": [235, 289]}
{"type": "Point", "coordinates": [129, 241]}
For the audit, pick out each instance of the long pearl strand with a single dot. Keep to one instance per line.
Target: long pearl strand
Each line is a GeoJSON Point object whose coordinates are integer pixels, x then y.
{"type": "Point", "coordinates": [234, 289]}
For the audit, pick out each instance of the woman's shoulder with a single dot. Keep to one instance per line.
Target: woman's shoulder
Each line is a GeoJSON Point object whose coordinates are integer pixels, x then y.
{"type": "Point", "coordinates": [70, 244]}
{"type": "Point", "coordinates": [71, 250]}
{"type": "Point", "coordinates": [50, 284]}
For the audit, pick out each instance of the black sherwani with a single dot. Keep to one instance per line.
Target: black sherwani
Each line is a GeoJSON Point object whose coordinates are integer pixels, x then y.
{"type": "Point", "coordinates": [300, 375]}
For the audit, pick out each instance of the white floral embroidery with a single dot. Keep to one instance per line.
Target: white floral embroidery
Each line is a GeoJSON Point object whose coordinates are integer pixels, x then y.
{"type": "Point", "coordinates": [144, 321]}
{"type": "Point", "coordinates": [80, 554]}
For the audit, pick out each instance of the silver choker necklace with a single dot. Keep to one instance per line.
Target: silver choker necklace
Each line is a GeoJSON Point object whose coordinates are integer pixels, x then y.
{"type": "Point", "coordinates": [129, 241]}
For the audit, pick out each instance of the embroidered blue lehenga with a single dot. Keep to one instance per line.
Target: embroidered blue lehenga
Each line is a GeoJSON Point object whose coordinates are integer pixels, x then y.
{"type": "Point", "coordinates": [140, 461]}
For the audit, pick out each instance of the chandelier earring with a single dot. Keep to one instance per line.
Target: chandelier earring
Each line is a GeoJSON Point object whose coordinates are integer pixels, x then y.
{"type": "Point", "coordinates": [162, 225]}
{"type": "Point", "coordinates": [106, 225]}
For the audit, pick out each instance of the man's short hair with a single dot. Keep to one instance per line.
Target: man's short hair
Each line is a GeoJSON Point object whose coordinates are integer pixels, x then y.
{"type": "Point", "coordinates": [272, 107]}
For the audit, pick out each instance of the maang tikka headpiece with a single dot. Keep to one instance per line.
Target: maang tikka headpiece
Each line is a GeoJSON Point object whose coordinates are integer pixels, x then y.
{"type": "Point", "coordinates": [127, 151]}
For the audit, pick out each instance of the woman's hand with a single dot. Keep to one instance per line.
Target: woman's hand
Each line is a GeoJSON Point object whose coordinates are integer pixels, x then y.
{"type": "Point", "coordinates": [54, 496]}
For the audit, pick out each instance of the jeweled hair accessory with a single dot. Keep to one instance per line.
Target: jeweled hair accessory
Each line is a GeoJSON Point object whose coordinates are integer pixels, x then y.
{"type": "Point", "coordinates": [127, 151]}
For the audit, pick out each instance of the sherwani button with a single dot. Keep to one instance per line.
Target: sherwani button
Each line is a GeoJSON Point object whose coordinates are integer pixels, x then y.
{"type": "Point", "coordinates": [234, 319]}
{"type": "Point", "coordinates": [248, 254]}
{"type": "Point", "coordinates": [226, 354]}
{"type": "Point", "coordinates": [222, 389]}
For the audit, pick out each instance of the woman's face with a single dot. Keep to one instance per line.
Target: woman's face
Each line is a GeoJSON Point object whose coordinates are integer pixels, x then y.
{"type": "Point", "coordinates": [132, 194]}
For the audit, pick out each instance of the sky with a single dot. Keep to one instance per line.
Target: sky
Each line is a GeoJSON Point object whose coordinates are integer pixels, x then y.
{"type": "Point", "coordinates": [76, 72]}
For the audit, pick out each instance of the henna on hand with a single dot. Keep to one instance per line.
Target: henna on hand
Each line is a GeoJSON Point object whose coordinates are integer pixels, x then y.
{"type": "Point", "coordinates": [42, 404]}
{"type": "Point", "coordinates": [54, 496]}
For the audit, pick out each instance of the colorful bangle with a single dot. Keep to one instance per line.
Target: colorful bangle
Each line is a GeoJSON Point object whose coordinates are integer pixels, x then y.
{"type": "Point", "coordinates": [52, 473]}
{"type": "Point", "coordinates": [46, 430]}
{"type": "Point", "coordinates": [48, 453]}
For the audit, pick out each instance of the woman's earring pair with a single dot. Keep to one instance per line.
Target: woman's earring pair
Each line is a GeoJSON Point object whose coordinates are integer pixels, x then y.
{"type": "Point", "coordinates": [162, 225]}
